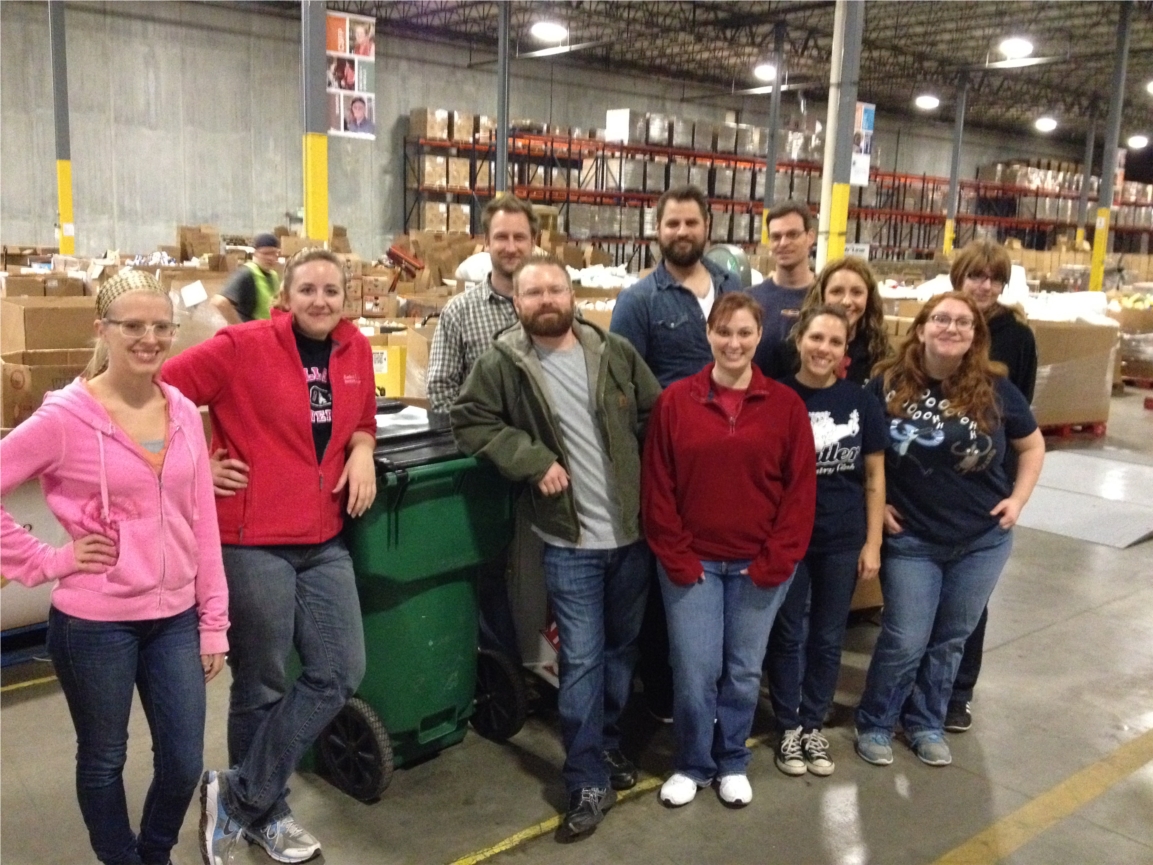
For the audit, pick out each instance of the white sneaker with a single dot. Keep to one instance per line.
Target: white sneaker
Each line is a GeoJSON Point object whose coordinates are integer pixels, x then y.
{"type": "Point", "coordinates": [735, 790]}
{"type": "Point", "coordinates": [679, 790]}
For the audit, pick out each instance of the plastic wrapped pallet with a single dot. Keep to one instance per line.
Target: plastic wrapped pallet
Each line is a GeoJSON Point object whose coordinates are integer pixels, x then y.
{"type": "Point", "coordinates": [783, 188]}
{"type": "Point", "coordinates": [722, 223]}
{"type": "Point", "coordinates": [429, 123]}
{"type": "Point", "coordinates": [748, 140]}
{"type": "Point", "coordinates": [704, 135]}
{"type": "Point", "coordinates": [608, 221]}
{"type": "Point", "coordinates": [758, 184]}
{"type": "Point", "coordinates": [682, 133]}
{"type": "Point", "coordinates": [743, 184]}
{"type": "Point", "coordinates": [655, 179]}
{"type": "Point", "coordinates": [658, 130]}
{"type": "Point", "coordinates": [722, 182]}
{"type": "Point", "coordinates": [648, 222]}
{"type": "Point", "coordinates": [678, 174]}
{"type": "Point", "coordinates": [727, 138]}
{"type": "Point", "coordinates": [581, 220]}
{"type": "Point", "coordinates": [742, 225]}
{"type": "Point", "coordinates": [699, 177]}
{"type": "Point", "coordinates": [632, 176]}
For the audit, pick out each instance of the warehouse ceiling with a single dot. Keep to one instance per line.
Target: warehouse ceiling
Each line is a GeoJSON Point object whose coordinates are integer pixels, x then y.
{"type": "Point", "coordinates": [909, 48]}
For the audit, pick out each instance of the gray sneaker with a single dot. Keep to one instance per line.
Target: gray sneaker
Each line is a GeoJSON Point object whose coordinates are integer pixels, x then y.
{"type": "Point", "coordinates": [931, 748]}
{"type": "Point", "coordinates": [285, 840]}
{"type": "Point", "coordinates": [875, 747]}
{"type": "Point", "coordinates": [219, 831]}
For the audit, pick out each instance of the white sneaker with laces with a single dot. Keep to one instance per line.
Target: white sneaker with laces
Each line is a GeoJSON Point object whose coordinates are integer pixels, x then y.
{"type": "Point", "coordinates": [735, 790]}
{"type": "Point", "coordinates": [285, 840]}
{"type": "Point", "coordinates": [679, 790]}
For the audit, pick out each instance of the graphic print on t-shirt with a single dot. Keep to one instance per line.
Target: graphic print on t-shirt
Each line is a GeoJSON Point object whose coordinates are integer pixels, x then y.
{"type": "Point", "coordinates": [832, 456]}
{"type": "Point", "coordinates": [930, 425]}
{"type": "Point", "coordinates": [319, 394]}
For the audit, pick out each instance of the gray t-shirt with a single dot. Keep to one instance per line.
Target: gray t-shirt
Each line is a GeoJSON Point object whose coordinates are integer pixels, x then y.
{"type": "Point", "coordinates": [597, 506]}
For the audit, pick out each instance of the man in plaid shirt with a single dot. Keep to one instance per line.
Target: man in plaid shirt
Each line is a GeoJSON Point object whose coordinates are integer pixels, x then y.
{"type": "Point", "coordinates": [471, 320]}
{"type": "Point", "coordinates": [468, 325]}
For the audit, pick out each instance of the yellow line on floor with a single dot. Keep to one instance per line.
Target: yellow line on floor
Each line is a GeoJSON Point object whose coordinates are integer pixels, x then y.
{"type": "Point", "coordinates": [16, 686]}
{"type": "Point", "coordinates": [1051, 807]}
{"type": "Point", "coordinates": [549, 825]}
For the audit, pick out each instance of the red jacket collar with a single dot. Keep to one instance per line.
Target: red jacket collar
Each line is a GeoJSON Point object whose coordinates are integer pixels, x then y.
{"type": "Point", "coordinates": [701, 384]}
{"type": "Point", "coordinates": [282, 323]}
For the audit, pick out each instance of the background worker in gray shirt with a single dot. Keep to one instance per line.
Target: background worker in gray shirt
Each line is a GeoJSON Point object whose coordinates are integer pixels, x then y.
{"type": "Point", "coordinates": [560, 405]}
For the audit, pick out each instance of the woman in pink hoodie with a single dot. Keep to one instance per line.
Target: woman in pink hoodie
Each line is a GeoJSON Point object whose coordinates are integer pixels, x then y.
{"type": "Point", "coordinates": [141, 601]}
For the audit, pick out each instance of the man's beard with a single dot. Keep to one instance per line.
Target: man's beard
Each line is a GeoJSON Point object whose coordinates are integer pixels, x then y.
{"type": "Point", "coordinates": [558, 323]}
{"type": "Point", "coordinates": [688, 258]}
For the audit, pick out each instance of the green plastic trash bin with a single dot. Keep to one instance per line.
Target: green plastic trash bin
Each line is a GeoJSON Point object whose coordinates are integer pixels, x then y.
{"type": "Point", "coordinates": [416, 553]}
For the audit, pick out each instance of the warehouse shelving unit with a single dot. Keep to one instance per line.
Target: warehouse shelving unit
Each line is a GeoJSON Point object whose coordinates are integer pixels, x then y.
{"type": "Point", "coordinates": [603, 192]}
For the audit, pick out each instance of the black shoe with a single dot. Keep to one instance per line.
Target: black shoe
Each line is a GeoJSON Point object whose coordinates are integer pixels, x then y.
{"type": "Point", "coordinates": [622, 772]}
{"type": "Point", "coordinates": [586, 809]}
{"type": "Point", "coordinates": [958, 718]}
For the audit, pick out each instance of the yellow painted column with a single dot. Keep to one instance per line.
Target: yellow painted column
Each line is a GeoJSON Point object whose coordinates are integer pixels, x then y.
{"type": "Point", "coordinates": [950, 235]}
{"type": "Point", "coordinates": [838, 221]}
{"type": "Point", "coordinates": [1100, 244]}
{"type": "Point", "coordinates": [66, 233]}
{"type": "Point", "coordinates": [1079, 237]}
{"type": "Point", "coordinates": [316, 185]}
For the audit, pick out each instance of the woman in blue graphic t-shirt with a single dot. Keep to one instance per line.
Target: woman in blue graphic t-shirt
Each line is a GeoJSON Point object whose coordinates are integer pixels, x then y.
{"type": "Point", "coordinates": [951, 508]}
{"type": "Point", "coordinates": [850, 437]}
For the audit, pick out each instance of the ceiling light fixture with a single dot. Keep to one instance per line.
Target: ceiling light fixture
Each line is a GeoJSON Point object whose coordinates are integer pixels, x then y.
{"type": "Point", "coordinates": [927, 102]}
{"type": "Point", "coordinates": [1149, 87]}
{"type": "Point", "coordinates": [765, 72]}
{"type": "Point", "coordinates": [548, 31]}
{"type": "Point", "coordinates": [1014, 48]}
{"type": "Point", "coordinates": [1045, 124]}
{"type": "Point", "coordinates": [1138, 142]}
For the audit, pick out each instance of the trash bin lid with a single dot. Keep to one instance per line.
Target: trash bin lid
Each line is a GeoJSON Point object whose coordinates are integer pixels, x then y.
{"type": "Point", "coordinates": [411, 437]}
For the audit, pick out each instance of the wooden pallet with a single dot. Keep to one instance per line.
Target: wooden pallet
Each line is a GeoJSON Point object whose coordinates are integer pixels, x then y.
{"type": "Point", "coordinates": [1067, 430]}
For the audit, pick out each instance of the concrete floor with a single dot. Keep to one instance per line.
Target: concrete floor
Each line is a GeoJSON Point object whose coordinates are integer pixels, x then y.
{"type": "Point", "coordinates": [1068, 681]}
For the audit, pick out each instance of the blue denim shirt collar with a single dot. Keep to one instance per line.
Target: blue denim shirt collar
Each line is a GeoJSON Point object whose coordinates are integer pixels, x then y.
{"type": "Point", "coordinates": [662, 279]}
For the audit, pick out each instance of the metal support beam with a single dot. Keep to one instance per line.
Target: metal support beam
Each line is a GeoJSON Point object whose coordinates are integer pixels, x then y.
{"type": "Point", "coordinates": [65, 224]}
{"type": "Point", "coordinates": [312, 44]}
{"type": "Point", "coordinates": [845, 74]}
{"type": "Point", "coordinates": [1109, 156]}
{"type": "Point", "coordinates": [502, 97]}
{"type": "Point", "coordinates": [774, 127]}
{"type": "Point", "coordinates": [1086, 174]}
{"type": "Point", "coordinates": [955, 166]}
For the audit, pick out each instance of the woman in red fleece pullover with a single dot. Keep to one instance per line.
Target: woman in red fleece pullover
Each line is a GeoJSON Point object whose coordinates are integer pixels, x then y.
{"type": "Point", "coordinates": [729, 493]}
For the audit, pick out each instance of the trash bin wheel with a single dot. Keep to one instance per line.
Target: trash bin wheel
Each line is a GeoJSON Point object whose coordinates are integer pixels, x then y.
{"type": "Point", "coordinates": [501, 703]}
{"type": "Point", "coordinates": [356, 752]}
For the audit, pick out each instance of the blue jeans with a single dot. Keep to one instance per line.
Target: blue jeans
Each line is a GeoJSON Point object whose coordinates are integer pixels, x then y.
{"type": "Point", "coordinates": [718, 629]}
{"type": "Point", "coordinates": [803, 671]}
{"type": "Point", "coordinates": [281, 597]}
{"type": "Point", "coordinates": [99, 664]}
{"type": "Point", "coordinates": [598, 598]}
{"type": "Point", "coordinates": [934, 595]}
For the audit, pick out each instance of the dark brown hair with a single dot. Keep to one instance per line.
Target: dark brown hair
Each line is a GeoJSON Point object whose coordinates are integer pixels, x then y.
{"type": "Point", "coordinates": [810, 313]}
{"type": "Point", "coordinates": [509, 203]}
{"type": "Point", "coordinates": [683, 193]}
{"type": "Point", "coordinates": [978, 257]}
{"type": "Point", "coordinates": [873, 320]}
{"type": "Point", "coordinates": [787, 207]}
{"type": "Point", "coordinates": [969, 390]}
{"type": "Point", "coordinates": [731, 302]}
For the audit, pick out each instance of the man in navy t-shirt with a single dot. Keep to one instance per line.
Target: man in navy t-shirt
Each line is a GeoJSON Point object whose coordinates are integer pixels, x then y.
{"type": "Point", "coordinates": [792, 233]}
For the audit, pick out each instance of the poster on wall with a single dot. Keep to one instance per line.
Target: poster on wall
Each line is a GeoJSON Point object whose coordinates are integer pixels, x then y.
{"type": "Point", "coordinates": [862, 144]}
{"type": "Point", "coordinates": [350, 49]}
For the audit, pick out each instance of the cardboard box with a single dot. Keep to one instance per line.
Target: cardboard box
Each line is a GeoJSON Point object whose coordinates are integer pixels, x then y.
{"type": "Point", "coordinates": [1131, 320]}
{"type": "Point", "coordinates": [1074, 372]}
{"type": "Point", "coordinates": [291, 245]}
{"type": "Point", "coordinates": [389, 352]}
{"type": "Point", "coordinates": [25, 376]}
{"type": "Point", "coordinates": [463, 125]}
{"type": "Point", "coordinates": [43, 285]}
{"type": "Point", "coordinates": [429, 172]}
{"type": "Point", "coordinates": [433, 216]}
{"type": "Point", "coordinates": [458, 172]}
{"type": "Point", "coordinates": [418, 341]}
{"type": "Point", "coordinates": [429, 123]}
{"type": "Point", "coordinates": [197, 240]}
{"type": "Point", "coordinates": [459, 218]}
{"type": "Point", "coordinates": [34, 323]}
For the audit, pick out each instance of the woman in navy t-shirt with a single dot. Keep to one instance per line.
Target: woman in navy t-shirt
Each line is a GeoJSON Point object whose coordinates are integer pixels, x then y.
{"type": "Point", "coordinates": [951, 508]}
{"type": "Point", "coordinates": [850, 436]}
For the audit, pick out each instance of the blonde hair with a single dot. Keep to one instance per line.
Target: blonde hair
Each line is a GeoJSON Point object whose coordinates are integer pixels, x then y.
{"type": "Point", "coordinates": [123, 283]}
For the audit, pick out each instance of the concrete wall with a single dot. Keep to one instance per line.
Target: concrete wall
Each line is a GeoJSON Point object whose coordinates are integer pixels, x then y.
{"type": "Point", "coordinates": [188, 113]}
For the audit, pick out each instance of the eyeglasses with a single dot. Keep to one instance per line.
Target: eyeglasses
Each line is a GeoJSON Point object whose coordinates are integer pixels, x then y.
{"type": "Point", "coordinates": [133, 329]}
{"type": "Point", "coordinates": [790, 236]}
{"type": "Point", "coordinates": [978, 278]}
{"type": "Point", "coordinates": [538, 293]}
{"type": "Point", "coordinates": [964, 324]}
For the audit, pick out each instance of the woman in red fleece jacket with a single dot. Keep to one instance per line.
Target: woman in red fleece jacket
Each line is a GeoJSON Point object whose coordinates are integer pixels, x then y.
{"type": "Point", "coordinates": [729, 493]}
{"type": "Point", "coordinates": [293, 407]}
{"type": "Point", "coordinates": [141, 603]}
